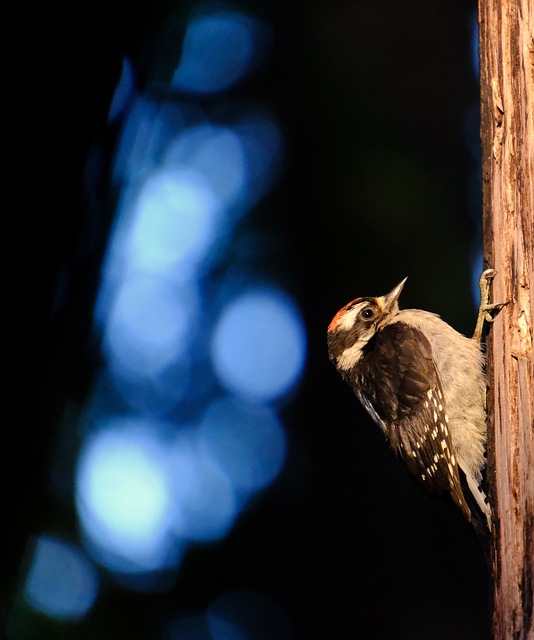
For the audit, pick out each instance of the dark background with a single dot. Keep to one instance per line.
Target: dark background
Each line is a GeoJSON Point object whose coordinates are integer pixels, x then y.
{"type": "Point", "coordinates": [378, 106]}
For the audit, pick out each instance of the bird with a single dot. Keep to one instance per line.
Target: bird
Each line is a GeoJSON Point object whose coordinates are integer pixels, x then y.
{"type": "Point", "coordinates": [424, 384]}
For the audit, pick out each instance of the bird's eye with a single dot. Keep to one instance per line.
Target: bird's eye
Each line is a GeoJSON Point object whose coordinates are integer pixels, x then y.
{"type": "Point", "coordinates": [368, 314]}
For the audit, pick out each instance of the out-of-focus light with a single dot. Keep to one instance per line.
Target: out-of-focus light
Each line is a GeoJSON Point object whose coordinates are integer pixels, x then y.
{"type": "Point", "coordinates": [259, 345]}
{"type": "Point", "coordinates": [217, 154]}
{"type": "Point", "coordinates": [235, 615]}
{"type": "Point", "coordinates": [220, 47]}
{"type": "Point", "coordinates": [205, 506]}
{"type": "Point", "coordinates": [244, 614]}
{"type": "Point", "coordinates": [246, 441]}
{"type": "Point", "coordinates": [189, 627]}
{"type": "Point", "coordinates": [123, 496]}
{"type": "Point", "coordinates": [174, 223]}
{"type": "Point", "coordinates": [144, 134]}
{"type": "Point", "coordinates": [61, 582]}
{"type": "Point", "coordinates": [123, 91]}
{"type": "Point", "coordinates": [147, 326]}
{"type": "Point", "coordinates": [262, 142]}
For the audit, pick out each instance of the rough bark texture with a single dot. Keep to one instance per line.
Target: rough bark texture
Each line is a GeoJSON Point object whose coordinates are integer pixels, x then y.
{"type": "Point", "coordinates": [507, 130]}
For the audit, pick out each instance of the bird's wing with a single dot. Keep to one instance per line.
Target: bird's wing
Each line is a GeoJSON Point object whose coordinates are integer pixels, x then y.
{"type": "Point", "coordinates": [400, 382]}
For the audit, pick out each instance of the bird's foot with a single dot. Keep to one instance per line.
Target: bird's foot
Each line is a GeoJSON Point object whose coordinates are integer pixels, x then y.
{"type": "Point", "coordinates": [487, 311]}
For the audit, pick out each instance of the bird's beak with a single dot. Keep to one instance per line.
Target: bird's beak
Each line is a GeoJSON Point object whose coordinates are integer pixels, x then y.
{"type": "Point", "coordinates": [391, 298]}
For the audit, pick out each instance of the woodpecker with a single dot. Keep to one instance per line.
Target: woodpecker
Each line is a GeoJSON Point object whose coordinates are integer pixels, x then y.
{"type": "Point", "coordinates": [423, 383]}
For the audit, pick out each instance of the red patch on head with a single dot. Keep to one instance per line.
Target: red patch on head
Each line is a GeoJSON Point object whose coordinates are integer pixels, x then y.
{"type": "Point", "coordinates": [333, 324]}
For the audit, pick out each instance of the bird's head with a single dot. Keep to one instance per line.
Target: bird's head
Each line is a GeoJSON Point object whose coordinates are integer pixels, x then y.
{"type": "Point", "coordinates": [357, 323]}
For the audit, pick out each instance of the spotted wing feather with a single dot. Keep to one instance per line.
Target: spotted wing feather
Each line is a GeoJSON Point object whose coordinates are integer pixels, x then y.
{"type": "Point", "coordinates": [400, 387]}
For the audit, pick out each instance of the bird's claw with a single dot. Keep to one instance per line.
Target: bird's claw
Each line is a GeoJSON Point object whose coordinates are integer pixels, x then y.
{"type": "Point", "coordinates": [486, 311]}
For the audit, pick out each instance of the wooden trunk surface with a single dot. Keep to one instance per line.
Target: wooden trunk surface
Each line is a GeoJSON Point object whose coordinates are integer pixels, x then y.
{"type": "Point", "coordinates": [507, 131]}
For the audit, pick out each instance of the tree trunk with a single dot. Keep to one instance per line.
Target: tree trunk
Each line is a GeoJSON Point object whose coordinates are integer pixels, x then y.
{"type": "Point", "coordinates": [507, 132]}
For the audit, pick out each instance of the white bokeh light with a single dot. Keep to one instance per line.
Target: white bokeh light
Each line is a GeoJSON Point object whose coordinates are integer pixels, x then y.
{"type": "Point", "coordinates": [123, 496]}
{"type": "Point", "coordinates": [146, 491]}
{"type": "Point", "coordinates": [259, 345]}
{"type": "Point", "coordinates": [174, 224]}
{"type": "Point", "coordinates": [217, 154]}
{"type": "Point", "coordinates": [147, 325]}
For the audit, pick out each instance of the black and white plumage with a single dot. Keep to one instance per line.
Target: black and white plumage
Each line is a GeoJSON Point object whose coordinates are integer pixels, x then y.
{"type": "Point", "coordinates": [423, 384]}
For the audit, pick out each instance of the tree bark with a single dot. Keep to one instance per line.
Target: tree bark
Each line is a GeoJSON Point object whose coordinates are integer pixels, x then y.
{"type": "Point", "coordinates": [506, 40]}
